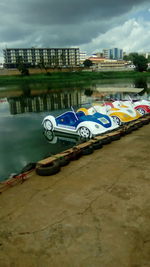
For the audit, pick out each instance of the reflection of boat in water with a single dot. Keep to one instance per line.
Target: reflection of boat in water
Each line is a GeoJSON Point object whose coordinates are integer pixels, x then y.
{"type": "Point", "coordinates": [119, 89]}
{"type": "Point", "coordinates": [3, 100]}
{"type": "Point", "coordinates": [55, 137]}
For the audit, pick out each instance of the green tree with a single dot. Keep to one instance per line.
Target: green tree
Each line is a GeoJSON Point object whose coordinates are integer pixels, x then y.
{"type": "Point", "coordinates": [22, 67]}
{"type": "Point", "coordinates": [140, 62]}
{"type": "Point", "coordinates": [148, 59]}
{"type": "Point", "coordinates": [87, 63]}
{"type": "Point", "coordinates": [126, 58]}
{"type": "Point", "coordinates": [130, 57]}
{"type": "Point", "coordinates": [43, 65]}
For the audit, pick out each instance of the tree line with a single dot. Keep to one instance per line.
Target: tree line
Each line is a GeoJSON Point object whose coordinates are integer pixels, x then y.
{"type": "Point", "coordinates": [140, 62]}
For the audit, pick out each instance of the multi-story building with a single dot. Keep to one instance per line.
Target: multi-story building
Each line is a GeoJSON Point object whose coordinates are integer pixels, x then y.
{"type": "Point", "coordinates": [83, 57]}
{"type": "Point", "coordinates": [49, 57]}
{"type": "Point", "coordinates": [113, 53]}
{"type": "Point", "coordinates": [116, 53]}
{"type": "Point", "coordinates": [106, 53]}
{"type": "Point", "coordinates": [101, 64]}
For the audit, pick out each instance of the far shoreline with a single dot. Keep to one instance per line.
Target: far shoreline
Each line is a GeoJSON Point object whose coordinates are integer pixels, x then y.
{"type": "Point", "coordinates": [67, 76]}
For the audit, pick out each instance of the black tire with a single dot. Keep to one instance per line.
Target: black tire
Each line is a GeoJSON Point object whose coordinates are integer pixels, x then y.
{"type": "Point", "coordinates": [76, 154]}
{"type": "Point", "coordinates": [63, 161]}
{"type": "Point", "coordinates": [97, 145]}
{"type": "Point", "coordinates": [106, 140]}
{"type": "Point", "coordinates": [88, 150]}
{"type": "Point", "coordinates": [135, 127]}
{"type": "Point", "coordinates": [115, 137]}
{"type": "Point", "coordinates": [140, 124]}
{"type": "Point", "coordinates": [28, 167]}
{"type": "Point", "coordinates": [146, 122]}
{"type": "Point", "coordinates": [48, 169]}
{"type": "Point", "coordinates": [128, 131]}
{"type": "Point", "coordinates": [122, 132]}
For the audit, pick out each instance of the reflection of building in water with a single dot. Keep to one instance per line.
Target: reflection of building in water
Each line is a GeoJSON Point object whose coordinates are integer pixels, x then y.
{"type": "Point", "coordinates": [44, 102]}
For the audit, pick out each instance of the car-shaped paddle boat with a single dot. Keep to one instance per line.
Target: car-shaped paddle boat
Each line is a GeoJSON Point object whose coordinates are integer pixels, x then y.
{"type": "Point", "coordinates": [102, 111]}
{"type": "Point", "coordinates": [142, 106]}
{"type": "Point", "coordinates": [121, 115]}
{"type": "Point", "coordinates": [78, 123]}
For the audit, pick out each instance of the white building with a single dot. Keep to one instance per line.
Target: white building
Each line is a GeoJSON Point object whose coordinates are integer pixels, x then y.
{"type": "Point", "coordinates": [83, 56]}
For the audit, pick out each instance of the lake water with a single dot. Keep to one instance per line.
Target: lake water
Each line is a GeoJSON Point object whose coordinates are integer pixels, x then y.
{"type": "Point", "coordinates": [22, 109]}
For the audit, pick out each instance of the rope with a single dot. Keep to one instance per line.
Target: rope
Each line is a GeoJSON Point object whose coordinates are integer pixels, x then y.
{"type": "Point", "coordinates": [21, 176]}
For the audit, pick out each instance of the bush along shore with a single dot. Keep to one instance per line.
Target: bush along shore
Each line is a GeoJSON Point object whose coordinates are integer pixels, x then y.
{"type": "Point", "coordinates": [72, 76]}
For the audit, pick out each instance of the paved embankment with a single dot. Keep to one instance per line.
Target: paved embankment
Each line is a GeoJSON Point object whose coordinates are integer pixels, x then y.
{"type": "Point", "coordinates": [94, 212]}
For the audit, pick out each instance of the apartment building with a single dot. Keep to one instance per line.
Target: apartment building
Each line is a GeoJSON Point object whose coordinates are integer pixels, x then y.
{"type": "Point", "coordinates": [34, 57]}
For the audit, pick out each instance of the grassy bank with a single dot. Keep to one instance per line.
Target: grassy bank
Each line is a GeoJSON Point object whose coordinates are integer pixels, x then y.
{"type": "Point", "coordinates": [70, 77]}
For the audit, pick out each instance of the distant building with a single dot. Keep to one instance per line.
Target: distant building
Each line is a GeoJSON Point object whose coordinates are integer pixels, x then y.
{"type": "Point", "coordinates": [98, 54]}
{"type": "Point", "coordinates": [97, 60]}
{"type": "Point", "coordinates": [116, 53]}
{"type": "Point", "coordinates": [106, 53]}
{"type": "Point", "coordinates": [49, 57]}
{"type": "Point", "coordinates": [101, 63]}
{"type": "Point", "coordinates": [83, 57]}
{"type": "Point", "coordinates": [113, 53]}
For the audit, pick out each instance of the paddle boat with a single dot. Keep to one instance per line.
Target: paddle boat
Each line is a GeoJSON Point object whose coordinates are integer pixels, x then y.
{"type": "Point", "coordinates": [86, 126]}
{"type": "Point", "coordinates": [120, 113]}
{"type": "Point", "coordinates": [142, 106]}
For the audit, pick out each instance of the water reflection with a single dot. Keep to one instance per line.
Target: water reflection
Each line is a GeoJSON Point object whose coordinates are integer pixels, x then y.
{"type": "Point", "coordinates": [22, 142]}
{"type": "Point", "coordinates": [55, 138]}
{"type": "Point", "coordinates": [142, 82]}
{"type": "Point", "coordinates": [22, 139]}
{"type": "Point", "coordinates": [44, 102]}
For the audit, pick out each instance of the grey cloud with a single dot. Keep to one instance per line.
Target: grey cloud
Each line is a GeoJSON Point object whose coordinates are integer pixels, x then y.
{"type": "Point", "coordinates": [13, 34]}
{"type": "Point", "coordinates": [60, 22]}
{"type": "Point", "coordinates": [69, 11]}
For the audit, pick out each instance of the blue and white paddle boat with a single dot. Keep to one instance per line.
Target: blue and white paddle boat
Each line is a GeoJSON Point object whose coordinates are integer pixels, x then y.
{"type": "Point", "coordinates": [86, 126]}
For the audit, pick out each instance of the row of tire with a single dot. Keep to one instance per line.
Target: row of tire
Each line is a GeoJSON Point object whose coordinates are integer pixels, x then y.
{"type": "Point", "coordinates": [55, 166]}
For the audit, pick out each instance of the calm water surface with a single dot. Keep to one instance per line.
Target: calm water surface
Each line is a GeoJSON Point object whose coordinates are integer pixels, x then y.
{"type": "Point", "coordinates": [22, 109]}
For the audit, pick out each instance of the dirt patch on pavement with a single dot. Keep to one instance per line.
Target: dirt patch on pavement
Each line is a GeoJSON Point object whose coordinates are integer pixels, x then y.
{"type": "Point", "coordinates": [95, 212]}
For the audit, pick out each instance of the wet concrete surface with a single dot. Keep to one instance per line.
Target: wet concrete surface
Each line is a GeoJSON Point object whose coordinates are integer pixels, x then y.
{"type": "Point", "coordinates": [94, 212]}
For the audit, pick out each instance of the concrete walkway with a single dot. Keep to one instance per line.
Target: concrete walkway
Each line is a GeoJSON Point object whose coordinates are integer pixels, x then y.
{"type": "Point", "coordinates": [95, 212]}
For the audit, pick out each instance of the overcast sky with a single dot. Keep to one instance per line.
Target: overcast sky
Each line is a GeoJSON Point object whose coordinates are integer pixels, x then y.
{"type": "Point", "coordinates": [89, 25]}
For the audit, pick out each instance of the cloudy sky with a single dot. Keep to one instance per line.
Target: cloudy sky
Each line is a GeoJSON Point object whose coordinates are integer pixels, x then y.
{"type": "Point", "coordinates": [89, 25]}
